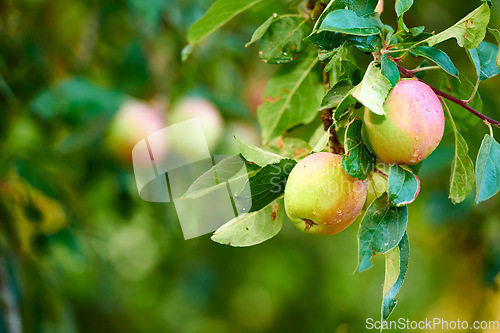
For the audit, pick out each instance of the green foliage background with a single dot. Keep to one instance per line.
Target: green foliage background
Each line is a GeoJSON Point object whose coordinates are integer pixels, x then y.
{"type": "Point", "coordinates": [96, 258]}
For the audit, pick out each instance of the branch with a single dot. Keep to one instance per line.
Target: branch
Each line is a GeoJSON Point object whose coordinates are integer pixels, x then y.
{"type": "Point", "coordinates": [457, 101]}
{"type": "Point", "coordinates": [327, 118]}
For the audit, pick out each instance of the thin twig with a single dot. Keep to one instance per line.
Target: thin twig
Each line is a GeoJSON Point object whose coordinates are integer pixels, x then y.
{"type": "Point", "coordinates": [457, 101]}
{"type": "Point", "coordinates": [383, 174]}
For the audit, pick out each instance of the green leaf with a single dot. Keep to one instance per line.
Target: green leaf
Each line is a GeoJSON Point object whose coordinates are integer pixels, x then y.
{"type": "Point", "coordinates": [291, 97]}
{"type": "Point", "coordinates": [396, 265]}
{"type": "Point", "coordinates": [461, 89]}
{"type": "Point", "coordinates": [323, 141]}
{"type": "Point", "coordinates": [260, 31]}
{"type": "Point", "coordinates": [438, 56]}
{"type": "Point", "coordinates": [496, 33]}
{"type": "Point", "coordinates": [381, 229]}
{"type": "Point", "coordinates": [332, 5]}
{"type": "Point", "coordinates": [362, 7]}
{"type": "Point", "coordinates": [390, 70]}
{"type": "Point", "coordinates": [231, 169]}
{"type": "Point", "coordinates": [333, 56]}
{"type": "Point", "coordinates": [257, 155]}
{"type": "Point", "coordinates": [402, 6]}
{"type": "Point", "coordinates": [284, 40]}
{"type": "Point", "coordinates": [265, 186]}
{"type": "Point", "coordinates": [221, 12]}
{"type": "Point", "coordinates": [344, 111]}
{"type": "Point", "coordinates": [364, 43]}
{"type": "Point", "coordinates": [347, 22]}
{"type": "Point", "coordinates": [403, 186]}
{"type": "Point", "coordinates": [373, 90]}
{"type": "Point", "coordinates": [358, 161]}
{"type": "Point", "coordinates": [77, 100]}
{"type": "Point", "coordinates": [335, 95]}
{"type": "Point", "coordinates": [252, 228]}
{"type": "Point", "coordinates": [288, 147]}
{"type": "Point", "coordinates": [468, 32]}
{"type": "Point", "coordinates": [326, 40]}
{"type": "Point", "coordinates": [350, 72]}
{"type": "Point", "coordinates": [484, 58]}
{"type": "Point", "coordinates": [487, 169]}
{"type": "Point", "coordinates": [462, 171]}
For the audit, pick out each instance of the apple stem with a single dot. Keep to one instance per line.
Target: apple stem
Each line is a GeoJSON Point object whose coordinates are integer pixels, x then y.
{"type": "Point", "coordinates": [383, 174]}
{"type": "Point", "coordinates": [457, 101]}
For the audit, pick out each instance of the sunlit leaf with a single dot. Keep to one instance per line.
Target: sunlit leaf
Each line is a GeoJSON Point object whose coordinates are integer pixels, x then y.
{"type": "Point", "coordinates": [396, 265]}
{"type": "Point", "coordinates": [462, 170]}
{"type": "Point", "coordinates": [322, 142]}
{"type": "Point", "coordinates": [260, 31]}
{"type": "Point", "coordinates": [252, 228]}
{"type": "Point", "coordinates": [257, 155]}
{"type": "Point", "coordinates": [231, 169]}
{"type": "Point", "coordinates": [373, 90]}
{"type": "Point", "coordinates": [468, 32]}
{"type": "Point", "coordinates": [221, 12]}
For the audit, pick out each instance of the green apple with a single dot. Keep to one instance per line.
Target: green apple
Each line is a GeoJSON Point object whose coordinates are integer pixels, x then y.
{"type": "Point", "coordinates": [320, 197]}
{"type": "Point", "coordinates": [197, 107]}
{"type": "Point", "coordinates": [411, 128]}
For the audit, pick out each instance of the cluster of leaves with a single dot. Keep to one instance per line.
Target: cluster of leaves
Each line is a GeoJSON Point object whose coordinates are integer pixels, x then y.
{"type": "Point", "coordinates": [295, 94]}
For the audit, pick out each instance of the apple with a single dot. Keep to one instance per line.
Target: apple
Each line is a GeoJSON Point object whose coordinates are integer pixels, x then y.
{"type": "Point", "coordinates": [133, 122]}
{"type": "Point", "coordinates": [320, 197]}
{"type": "Point", "coordinates": [197, 107]}
{"type": "Point", "coordinates": [411, 128]}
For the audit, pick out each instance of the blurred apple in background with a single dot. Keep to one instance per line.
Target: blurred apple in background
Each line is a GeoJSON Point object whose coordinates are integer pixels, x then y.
{"type": "Point", "coordinates": [198, 107]}
{"type": "Point", "coordinates": [254, 92]}
{"type": "Point", "coordinates": [133, 122]}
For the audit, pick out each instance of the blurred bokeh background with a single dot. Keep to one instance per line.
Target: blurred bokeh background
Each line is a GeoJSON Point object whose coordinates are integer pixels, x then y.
{"type": "Point", "coordinates": [81, 252]}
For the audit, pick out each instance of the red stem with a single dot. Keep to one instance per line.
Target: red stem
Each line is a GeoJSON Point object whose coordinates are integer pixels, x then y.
{"type": "Point", "coordinates": [457, 101]}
